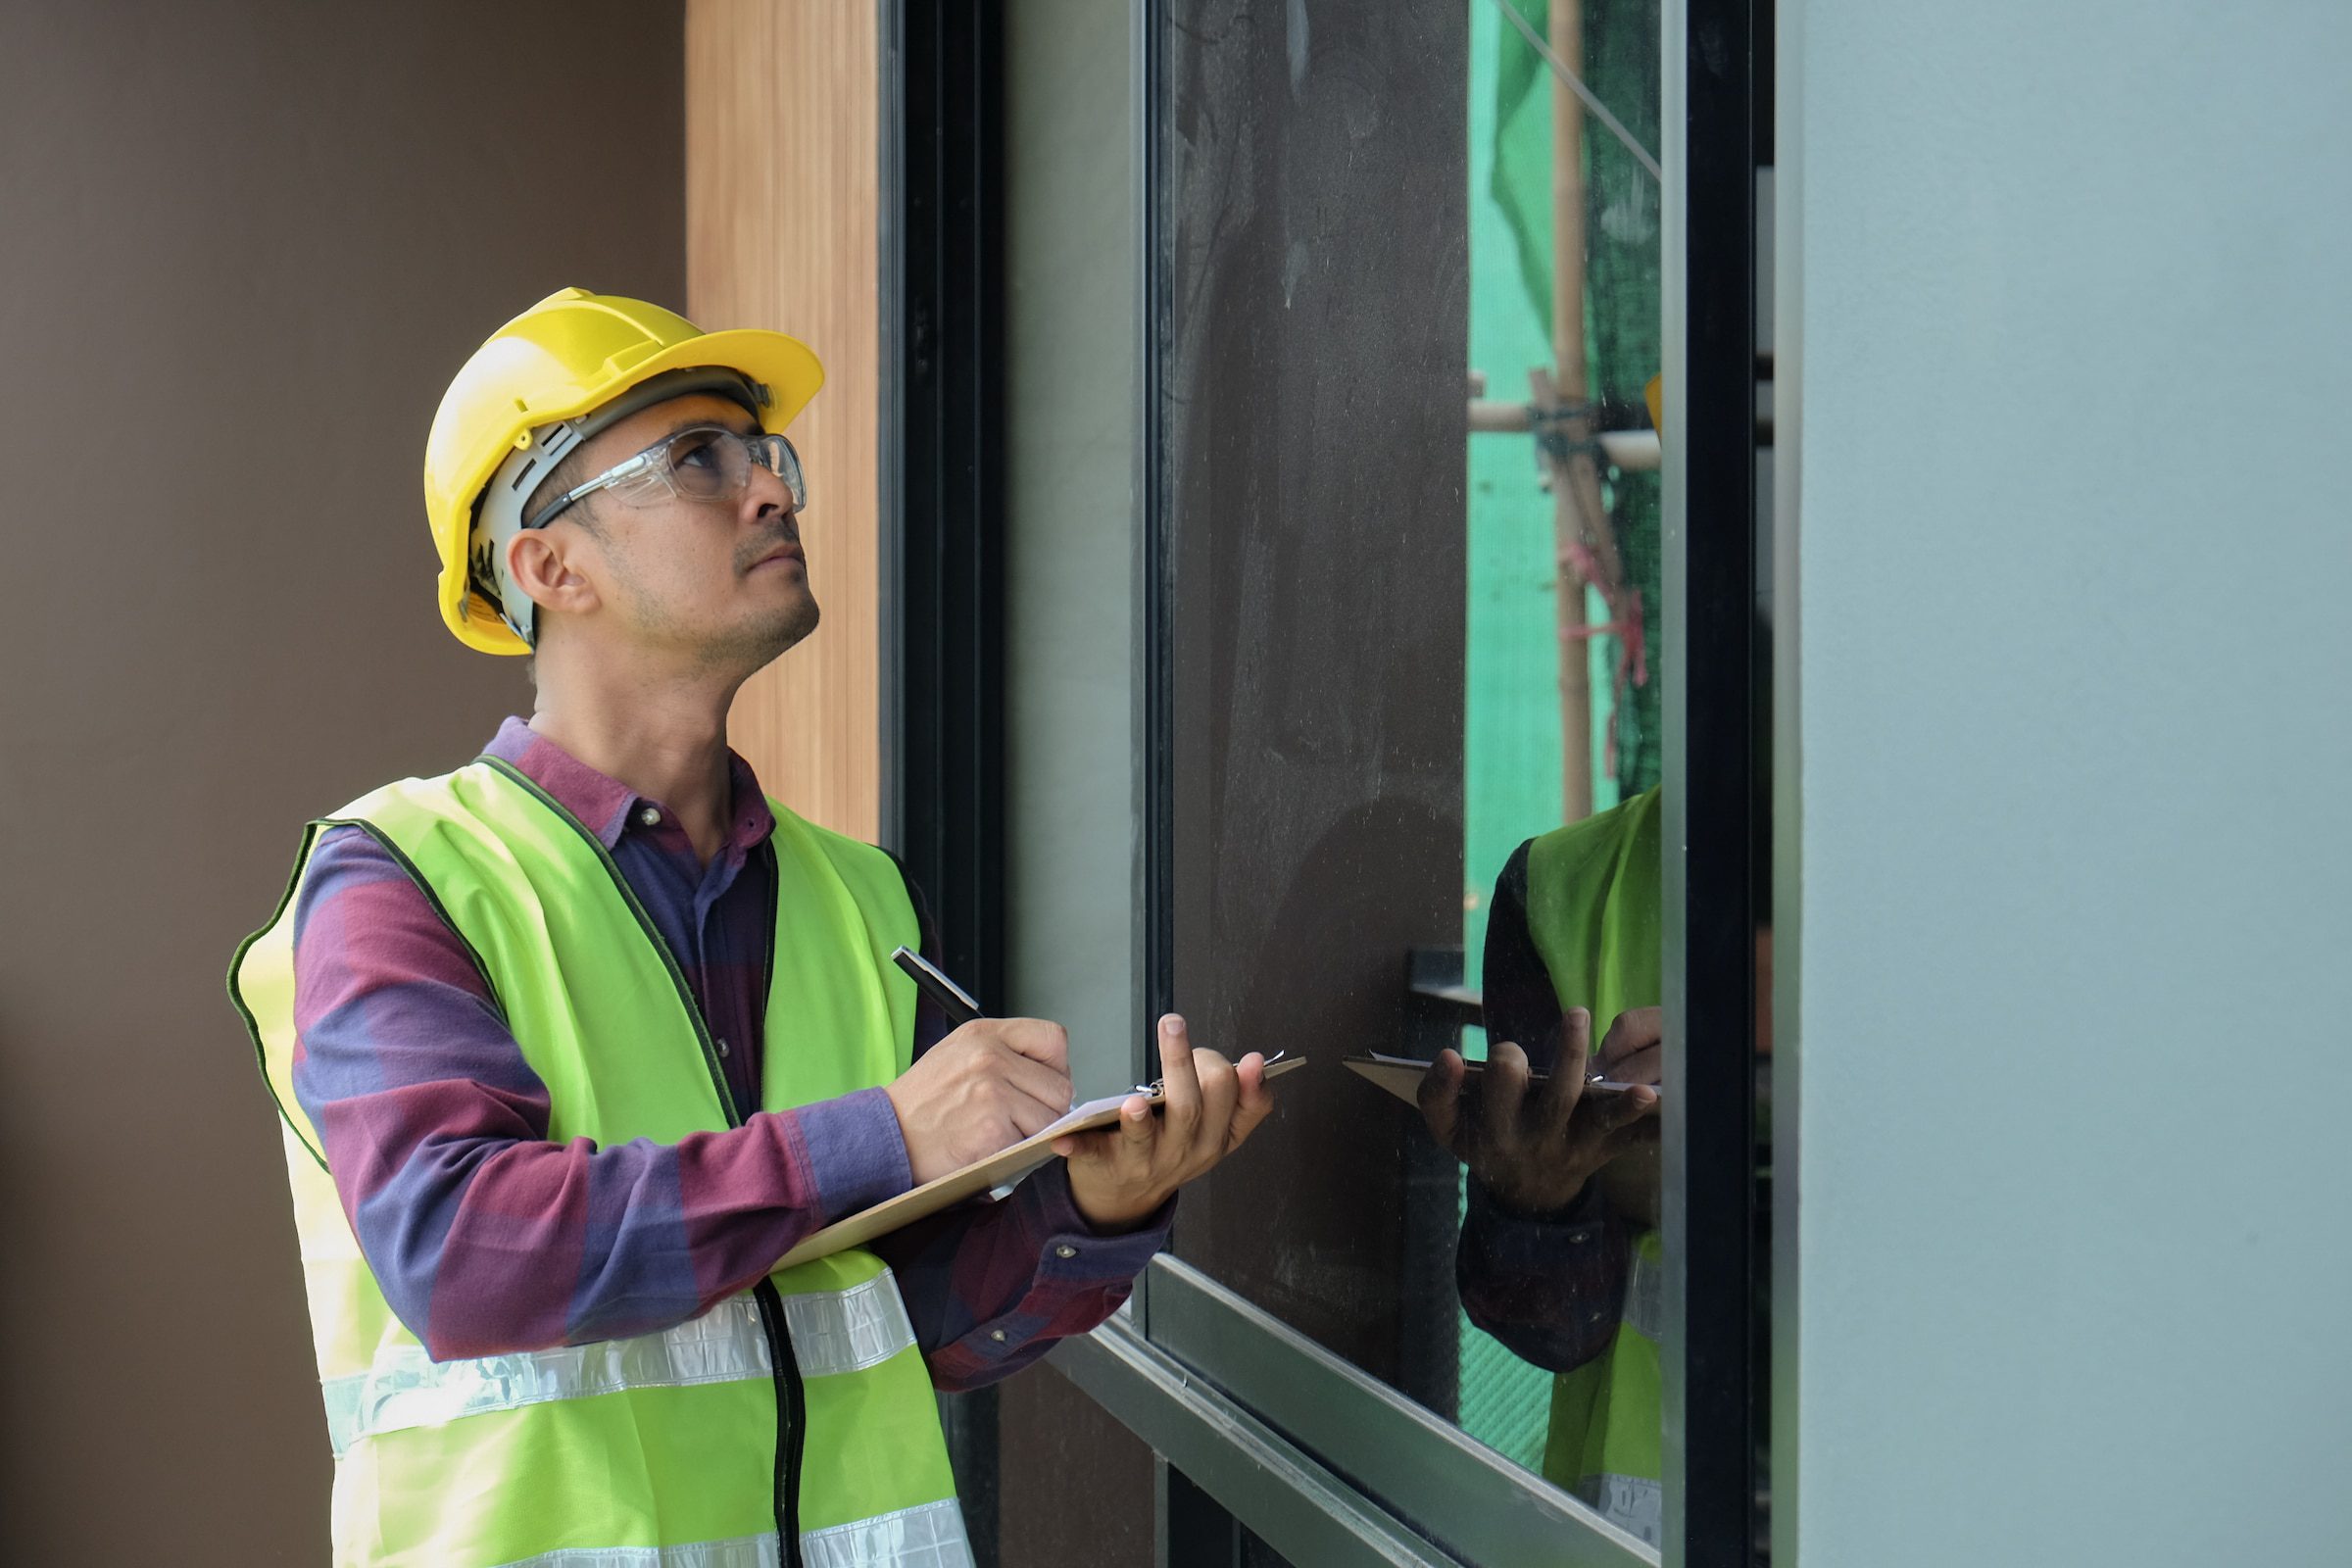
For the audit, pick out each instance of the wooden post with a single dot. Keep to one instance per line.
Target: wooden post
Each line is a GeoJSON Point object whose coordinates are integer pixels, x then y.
{"type": "Point", "coordinates": [783, 116]}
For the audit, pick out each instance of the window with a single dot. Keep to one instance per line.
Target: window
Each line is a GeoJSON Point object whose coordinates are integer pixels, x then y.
{"type": "Point", "coordinates": [1340, 579]}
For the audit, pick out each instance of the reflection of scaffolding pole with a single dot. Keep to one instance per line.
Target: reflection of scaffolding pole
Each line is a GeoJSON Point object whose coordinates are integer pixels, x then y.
{"type": "Point", "coordinates": [1575, 480]}
{"type": "Point", "coordinates": [1635, 450]}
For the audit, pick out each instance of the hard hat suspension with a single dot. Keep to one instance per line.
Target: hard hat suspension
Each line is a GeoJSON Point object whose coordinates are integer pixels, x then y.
{"type": "Point", "coordinates": [504, 501]}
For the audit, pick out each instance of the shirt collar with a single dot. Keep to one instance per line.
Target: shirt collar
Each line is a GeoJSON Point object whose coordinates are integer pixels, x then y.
{"type": "Point", "coordinates": [605, 805]}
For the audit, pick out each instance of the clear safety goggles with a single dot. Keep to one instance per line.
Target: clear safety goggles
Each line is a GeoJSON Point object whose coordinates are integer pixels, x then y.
{"type": "Point", "coordinates": [701, 462]}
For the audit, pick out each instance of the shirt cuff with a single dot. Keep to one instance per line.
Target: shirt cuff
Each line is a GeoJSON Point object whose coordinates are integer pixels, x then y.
{"type": "Point", "coordinates": [856, 1155]}
{"type": "Point", "coordinates": [1506, 1232]}
{"type": "Point", "coordinates": [1073, 1242]}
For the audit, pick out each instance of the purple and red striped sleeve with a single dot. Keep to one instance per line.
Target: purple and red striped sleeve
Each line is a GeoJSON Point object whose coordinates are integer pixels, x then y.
{"type": "Point", "coordinates": [992, 1287]}
{"type": "Point", "coordinates": [1552, 1288]}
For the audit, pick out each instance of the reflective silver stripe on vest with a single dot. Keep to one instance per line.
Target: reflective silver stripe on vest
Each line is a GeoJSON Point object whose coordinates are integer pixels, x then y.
{"type": "Point", "coordinates": [1633, 1503]}
{"type": "Point", "coordinates": [1645, 1297]}
{"type": "Point", "coordinates": [742, 1551]}
{"type": "Point", "coordinates": [927, 1537]}
{"type": "Point", "coordinates": [850, 1330]}
{"type": "Point", "coordinates": [832, 1331]}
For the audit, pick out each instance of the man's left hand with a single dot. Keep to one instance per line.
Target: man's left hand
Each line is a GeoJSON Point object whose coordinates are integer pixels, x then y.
{"type": "Point", "coordinates": [1120, 1176]}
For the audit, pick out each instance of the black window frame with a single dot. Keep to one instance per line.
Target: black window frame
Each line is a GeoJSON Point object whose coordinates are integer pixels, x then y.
{"type": "Point", "coordinates": [942, 533]}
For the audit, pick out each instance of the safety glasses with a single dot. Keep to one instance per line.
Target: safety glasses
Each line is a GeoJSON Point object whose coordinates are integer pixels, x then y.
{"type": "Point", "coordinates": [701, 462]}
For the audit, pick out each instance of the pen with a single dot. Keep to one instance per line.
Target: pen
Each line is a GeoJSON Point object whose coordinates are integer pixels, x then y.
{"type": "Point", "coordinates": [957, 1003]}
{"type": "Point", "coordinates": [944, 994]}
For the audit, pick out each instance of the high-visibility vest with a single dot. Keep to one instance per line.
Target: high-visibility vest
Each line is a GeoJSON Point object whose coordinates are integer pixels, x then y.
{"type": "Point", "coordinates": [1594, 912]}
{"type": "Point", "coordinates": [1608, 1437]}
{"type": "Point", "coordinates": [795, 1422]}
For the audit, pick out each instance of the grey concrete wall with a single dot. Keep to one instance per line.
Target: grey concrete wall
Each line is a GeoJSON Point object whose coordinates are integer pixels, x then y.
{"type": "Point", "coordinates": [2065, 354]}
{"type": "Point", "coordinates": [243, 246]}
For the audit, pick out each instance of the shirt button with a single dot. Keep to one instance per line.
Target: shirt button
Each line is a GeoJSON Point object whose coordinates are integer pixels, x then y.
{"type": "Point", "coordinates": [997, 1335]}
{"type": "Point", "coordinates": [1065, 1249]}
{"type": "Point", "coordinates": [721, 1045]}
{"type": "Point", "coordinates": [651, 816]}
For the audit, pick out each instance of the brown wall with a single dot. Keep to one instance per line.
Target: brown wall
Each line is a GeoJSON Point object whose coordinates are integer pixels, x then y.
{"type": "Point", "coordinates": [242, 247]}
{"type": "Point", "coordinates": [783, 169]}
{"type": "Point", "coordinates": [1077, 1487]}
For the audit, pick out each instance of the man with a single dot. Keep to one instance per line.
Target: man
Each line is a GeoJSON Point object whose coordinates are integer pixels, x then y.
{"type": "Point", "coordinates": [576, 1042]}
{"type": "Point", "coordinates": [1559, 1253]}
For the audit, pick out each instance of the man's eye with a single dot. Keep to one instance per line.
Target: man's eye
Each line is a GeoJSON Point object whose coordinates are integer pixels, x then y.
{"type": "Point", "coordinates": [696, 451]}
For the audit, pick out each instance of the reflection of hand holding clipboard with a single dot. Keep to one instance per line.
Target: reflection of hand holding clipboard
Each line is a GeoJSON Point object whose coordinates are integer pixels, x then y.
{"type": "Point", "coordinates": [1402, 1076]}
{"type": "Point", "coordinates": [1005, 1165]}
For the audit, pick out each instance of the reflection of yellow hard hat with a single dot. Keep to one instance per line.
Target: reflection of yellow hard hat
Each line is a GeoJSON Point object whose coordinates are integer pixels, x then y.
{"type": "Point", "coordinates": [1654, 395]}
{"type": "Point", "coordinates": [525, 392]}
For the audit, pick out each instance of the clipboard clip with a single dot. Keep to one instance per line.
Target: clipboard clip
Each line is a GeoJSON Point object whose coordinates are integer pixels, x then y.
{"type": "Point", "coordinates": [1157, 1088]}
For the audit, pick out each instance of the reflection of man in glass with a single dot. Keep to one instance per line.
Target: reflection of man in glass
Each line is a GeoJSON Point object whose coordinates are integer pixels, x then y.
{"type": "Point", "coordinates": [1560, 1256]}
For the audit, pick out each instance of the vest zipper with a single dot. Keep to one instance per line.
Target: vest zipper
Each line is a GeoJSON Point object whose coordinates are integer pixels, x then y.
{"type": "Point", "coordinates": [792, 1408]}
{"type": "Point", "coordinates": [792, 1421]}
{"type": "Point", "coordinates": [791, 1405]}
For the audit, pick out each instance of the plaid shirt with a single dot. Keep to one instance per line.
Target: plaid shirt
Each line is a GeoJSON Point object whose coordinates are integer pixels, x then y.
{"type": "Point", "coordinates": [485, 1237]}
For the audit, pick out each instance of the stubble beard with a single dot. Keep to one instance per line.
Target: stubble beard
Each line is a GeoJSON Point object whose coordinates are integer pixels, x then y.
{"type": "Point", "coordinates": [770, 637]}
{"type": "Point", "coordinates": [746, 648]}
{"type": "Point", "coordinates": [757, 641]}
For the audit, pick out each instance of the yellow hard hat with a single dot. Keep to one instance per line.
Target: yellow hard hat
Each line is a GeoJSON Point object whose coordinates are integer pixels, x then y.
{"type": "Point", "coordinates": [546, 381]}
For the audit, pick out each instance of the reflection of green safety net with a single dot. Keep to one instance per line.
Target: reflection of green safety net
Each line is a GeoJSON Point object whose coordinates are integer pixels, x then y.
{"type": "Point", "coordinates": [1511, 701]}
{"type": "Point", "coordinates": [1621, 261]}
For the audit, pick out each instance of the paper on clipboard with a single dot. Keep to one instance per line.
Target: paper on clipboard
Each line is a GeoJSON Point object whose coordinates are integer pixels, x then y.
{"type": "Point", "coordinates": [1005, 1165]}
{"type": "Point", "coordinates": [1402, 1075]}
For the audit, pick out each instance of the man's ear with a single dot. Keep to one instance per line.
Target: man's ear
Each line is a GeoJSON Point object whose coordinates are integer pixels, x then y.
{"type": "Point", "coordinates": [543, 563]}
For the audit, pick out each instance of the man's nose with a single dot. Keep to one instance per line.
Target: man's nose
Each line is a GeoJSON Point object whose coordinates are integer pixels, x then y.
{"type": "Point", "coordinates": [766, 492]}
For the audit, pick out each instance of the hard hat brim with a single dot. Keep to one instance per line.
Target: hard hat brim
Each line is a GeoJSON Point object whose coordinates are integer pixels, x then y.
{"type": "Point", "coordinates": [785, 365]}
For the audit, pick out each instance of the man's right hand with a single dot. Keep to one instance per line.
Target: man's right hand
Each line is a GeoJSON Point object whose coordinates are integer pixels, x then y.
{"type": "Point", "coordinates": [987, 1086]}
{"type": "Point", "coordinates": [1533, 1151]}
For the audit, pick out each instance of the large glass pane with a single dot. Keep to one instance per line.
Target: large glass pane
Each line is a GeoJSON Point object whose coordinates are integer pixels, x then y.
{"type": "Point", "coordinates": [1409, 551]}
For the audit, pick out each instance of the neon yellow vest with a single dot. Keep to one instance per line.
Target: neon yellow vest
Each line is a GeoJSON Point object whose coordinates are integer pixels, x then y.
{"type": "Point", "coordinates": [1594, 912]}
{"type": "Point", "coordinates": [793, 1423]}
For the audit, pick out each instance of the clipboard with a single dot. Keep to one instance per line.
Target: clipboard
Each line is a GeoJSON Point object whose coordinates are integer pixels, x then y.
{"type": "Point", "coordinates": [1402, 1076]}
{"type": "Point", "coordinates": [1008, 1164]}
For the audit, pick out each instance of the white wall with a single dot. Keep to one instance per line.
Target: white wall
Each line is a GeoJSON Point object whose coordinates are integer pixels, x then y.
{"type": "Point", "coordinates": [1071, 250]}
{"type": "Point", "coordinates": [2066, 308]}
